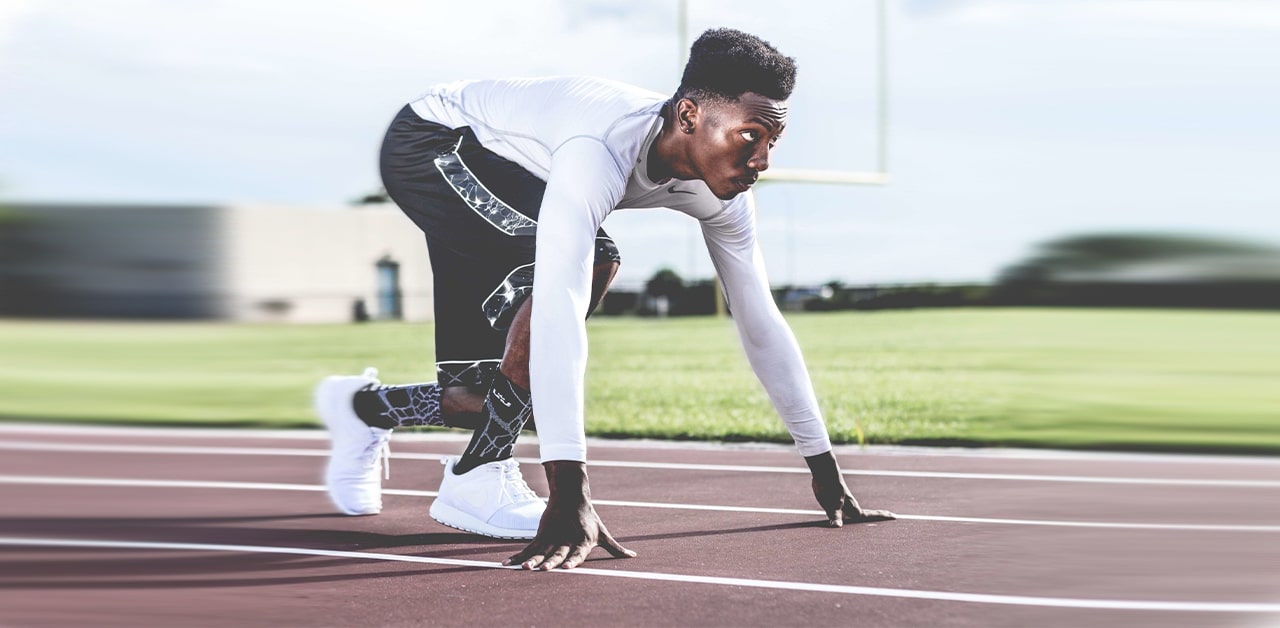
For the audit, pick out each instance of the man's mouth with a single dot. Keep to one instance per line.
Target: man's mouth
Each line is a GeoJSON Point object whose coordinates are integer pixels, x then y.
{"type": "Point", "coordinates": [745, 183]}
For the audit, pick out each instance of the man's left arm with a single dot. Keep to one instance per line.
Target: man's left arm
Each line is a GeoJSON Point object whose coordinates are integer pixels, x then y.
{"type": "Point", "coordinates": [775, 357]}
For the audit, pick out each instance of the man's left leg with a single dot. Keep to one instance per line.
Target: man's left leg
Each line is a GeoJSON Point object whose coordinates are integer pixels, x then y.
{"type": "Point", "coordinates": [429, 404]}
{"type": "Point", "coordinates": [416, 405]}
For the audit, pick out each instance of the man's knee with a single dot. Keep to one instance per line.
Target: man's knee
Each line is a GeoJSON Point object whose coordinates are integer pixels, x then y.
{"type": "Point", "coordinates": [601, 278]}
{"type": "Point", "coordinates": [461, 400]}
{"type": "Point", "coordinates": [515, 358]}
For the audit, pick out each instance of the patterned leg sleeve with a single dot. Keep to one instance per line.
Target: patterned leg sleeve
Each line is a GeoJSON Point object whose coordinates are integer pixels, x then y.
{"type": "Point", "coordinates": [400, 406]}
{"type": "Point", "coordinates": [508, 407]}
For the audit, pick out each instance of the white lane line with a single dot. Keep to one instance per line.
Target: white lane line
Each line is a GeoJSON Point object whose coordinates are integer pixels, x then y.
{"type": "Point", "coordinates": [194, 431]}
{"type": "Point", "coordinates": [1085, 479]}
{"type": "Point", "coordinates": [678, 466]}
{"type": "Point", "coordinates": [268, 486]}
{"type": "Point", "coordinates": [918, 594]}
{"type": "Point", "coordinates": [181, 450]}
{"type": "Point", "coordinates": [915, 451]}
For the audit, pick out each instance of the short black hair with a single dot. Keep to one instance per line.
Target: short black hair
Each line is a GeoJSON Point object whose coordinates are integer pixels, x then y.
{"type": "Point", "coordinates": [726, 63]}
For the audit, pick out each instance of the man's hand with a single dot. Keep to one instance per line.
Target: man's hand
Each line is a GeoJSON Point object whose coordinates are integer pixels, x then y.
{"type": "Point", "coordinates": [834, 495]}
{"type": "Point", "coordinates": [570, 526]}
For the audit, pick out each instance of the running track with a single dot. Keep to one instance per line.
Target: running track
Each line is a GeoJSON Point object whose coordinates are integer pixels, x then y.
{"type": "Point", "coordinates": [128, 526]}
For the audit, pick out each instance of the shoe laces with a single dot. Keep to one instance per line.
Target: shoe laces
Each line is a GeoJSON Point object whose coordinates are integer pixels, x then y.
{"type": "Point", "coordinates": [514, 481]}
{"type": "Point", "coordinates": [381, 445]}
{"type": "Point", "coordinates": [380, 449]}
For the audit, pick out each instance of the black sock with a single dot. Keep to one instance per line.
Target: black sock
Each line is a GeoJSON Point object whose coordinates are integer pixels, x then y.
{"type": "Point", "coordinates": [400, 406]}
{"type": "Point", "coordinates": [508, 407]}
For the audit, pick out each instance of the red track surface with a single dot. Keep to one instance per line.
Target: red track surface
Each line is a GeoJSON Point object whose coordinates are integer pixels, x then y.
{"type": "Point", "coordinates": [900, 573]}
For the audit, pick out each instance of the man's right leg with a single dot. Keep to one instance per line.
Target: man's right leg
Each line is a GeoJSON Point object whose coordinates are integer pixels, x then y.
{"type": "Point", "coordinates": [508, 407]}
{"type": "Point", "coordinates": [508, 404]}
{"type": "Point", "coordinates": [483, 315]}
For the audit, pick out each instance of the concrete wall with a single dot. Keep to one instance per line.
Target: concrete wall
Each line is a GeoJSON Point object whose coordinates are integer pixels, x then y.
{"type": "Point", "coordinates": [109, 261]}
{"type": "Point", "coordinates": [246, 263]}
{"type": "Point", "coordinates": [310, 265]}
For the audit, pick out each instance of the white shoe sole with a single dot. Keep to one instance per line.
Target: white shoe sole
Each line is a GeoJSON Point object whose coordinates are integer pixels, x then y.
{"type": "Point", "coordinates": [454, 518]}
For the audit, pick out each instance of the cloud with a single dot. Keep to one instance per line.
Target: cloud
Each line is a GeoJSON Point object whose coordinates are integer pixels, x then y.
{"type": "Point", "coordinates": [298, 89]}
{"type": "Point", "coordinates": [1010, 119]}
{"type": "Point", "coordinates": [1250, 15]}
{"type": "Point", "coordinates": [12, 15]}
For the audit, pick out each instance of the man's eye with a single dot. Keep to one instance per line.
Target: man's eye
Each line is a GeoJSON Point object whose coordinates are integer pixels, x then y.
{"type": "Point", "coordinates": [750, 136]}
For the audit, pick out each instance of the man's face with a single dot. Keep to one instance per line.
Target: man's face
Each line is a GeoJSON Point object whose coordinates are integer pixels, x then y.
{"type": "Point", "coordinates": [732, 141]}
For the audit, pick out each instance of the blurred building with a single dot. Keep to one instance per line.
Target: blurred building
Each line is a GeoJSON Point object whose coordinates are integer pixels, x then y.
{"type": "Point", "coordinates": [241, 262]}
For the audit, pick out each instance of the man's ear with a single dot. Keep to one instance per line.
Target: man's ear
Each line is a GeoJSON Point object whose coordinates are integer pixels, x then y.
{"type": "Point", "coordinates": [687, 115]}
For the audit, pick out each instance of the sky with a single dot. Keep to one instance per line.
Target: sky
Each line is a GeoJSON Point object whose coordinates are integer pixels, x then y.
{"type": "Point", "coordinates": [1010, 122]}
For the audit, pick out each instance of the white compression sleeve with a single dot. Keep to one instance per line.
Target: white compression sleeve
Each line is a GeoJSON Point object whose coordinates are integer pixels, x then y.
{"type": "Point", "coordinates": [769, 343]}
{"type": "Point", "coordinates": [583, 188]}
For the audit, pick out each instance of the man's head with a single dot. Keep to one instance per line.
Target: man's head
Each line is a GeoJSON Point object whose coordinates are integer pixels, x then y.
{"type": "Point", "coordinates": [725, 63]}
{"type": "Point", "coordinates": [732, 107]}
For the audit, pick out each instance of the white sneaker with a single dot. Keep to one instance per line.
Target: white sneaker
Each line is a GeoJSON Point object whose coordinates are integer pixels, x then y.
{"type": "Point", "coordinates": [491, 499]}
{"type": "Point", "coordinates": [354, 474]}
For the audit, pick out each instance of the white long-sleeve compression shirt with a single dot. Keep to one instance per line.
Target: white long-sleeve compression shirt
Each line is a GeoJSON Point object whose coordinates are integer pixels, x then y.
{"type": "Point", "coordinates": [589, 140]}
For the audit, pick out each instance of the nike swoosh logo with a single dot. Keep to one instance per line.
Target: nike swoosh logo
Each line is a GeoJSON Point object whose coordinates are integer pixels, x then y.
{"type": "Point", "coordinates": [679, 191]}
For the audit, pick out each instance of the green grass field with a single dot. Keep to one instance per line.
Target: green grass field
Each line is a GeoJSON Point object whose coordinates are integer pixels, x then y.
{"type": "Point", "coordinates": [1124, 379]}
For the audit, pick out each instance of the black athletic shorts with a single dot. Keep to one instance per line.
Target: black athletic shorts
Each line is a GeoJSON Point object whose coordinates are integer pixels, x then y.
{"type": "Point", "coordinates": [479, 212]}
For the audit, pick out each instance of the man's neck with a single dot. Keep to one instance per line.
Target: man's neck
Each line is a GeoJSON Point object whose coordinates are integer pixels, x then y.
{"type": "Point", "coordinates": [666, 149]}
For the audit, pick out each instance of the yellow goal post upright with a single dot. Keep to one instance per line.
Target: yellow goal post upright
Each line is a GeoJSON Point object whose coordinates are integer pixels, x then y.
{"type": "Point", "coordinates": [878, 176]}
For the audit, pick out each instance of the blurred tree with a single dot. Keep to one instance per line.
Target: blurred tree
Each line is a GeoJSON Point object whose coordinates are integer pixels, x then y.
{"type": "Point", "coordinates": [1102, 256]}
{"type": "Point", "coordinates": [662, 294]}
{"type": "Point", "coordinates": [373, 198]}
{"type": "Point", "coordinates": [664, 283]}
{"type": "Point", "coordinates": [1144, 270]}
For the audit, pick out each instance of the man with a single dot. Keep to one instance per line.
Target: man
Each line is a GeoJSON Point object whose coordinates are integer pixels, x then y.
{"type": "Point", "coordinates": [506, 177]}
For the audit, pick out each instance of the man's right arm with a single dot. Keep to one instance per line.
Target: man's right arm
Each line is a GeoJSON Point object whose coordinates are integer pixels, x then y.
{"type": "Point", "coordinates": [581, 191]}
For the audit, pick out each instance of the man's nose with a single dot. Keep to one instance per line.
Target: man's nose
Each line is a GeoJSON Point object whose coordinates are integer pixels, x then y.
{"type": "Point", "coordinates": [759, 161]}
